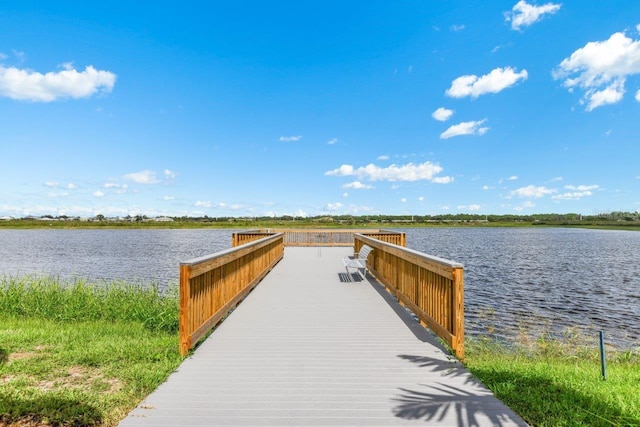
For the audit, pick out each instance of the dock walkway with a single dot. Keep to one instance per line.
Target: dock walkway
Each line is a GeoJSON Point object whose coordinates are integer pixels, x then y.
{"type": "Point", "coordinates": [307, 347]}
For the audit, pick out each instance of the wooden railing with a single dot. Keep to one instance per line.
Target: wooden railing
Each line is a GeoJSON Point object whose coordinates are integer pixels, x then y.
{"type": "Point", "coordinates": [213, 285]}
{"type": "Point", "coordinates": [319, 237]}
{"type": "Point", "coordinates": [431, 287]}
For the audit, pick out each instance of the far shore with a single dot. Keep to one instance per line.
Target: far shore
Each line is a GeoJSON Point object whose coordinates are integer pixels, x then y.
{"type": "Point", "coordinates": [613, 221]}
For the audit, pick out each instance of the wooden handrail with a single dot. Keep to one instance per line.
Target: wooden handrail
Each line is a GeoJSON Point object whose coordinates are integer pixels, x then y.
{"type": "Point", "coordinates": [431, 287]}
{"type": "Point", "coordinates": [319, 237]}
{"type": "Point", "coordinates": [211, 286]}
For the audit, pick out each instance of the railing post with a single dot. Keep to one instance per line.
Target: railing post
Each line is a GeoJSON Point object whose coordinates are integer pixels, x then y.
{"type": "Point", "coordinates": [185, 295]}
{"type": "Point", "coordinates": [458, 311]}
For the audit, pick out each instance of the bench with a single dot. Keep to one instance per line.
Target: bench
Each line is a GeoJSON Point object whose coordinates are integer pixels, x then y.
{"type": "Point", "coordinates": [358, 261]}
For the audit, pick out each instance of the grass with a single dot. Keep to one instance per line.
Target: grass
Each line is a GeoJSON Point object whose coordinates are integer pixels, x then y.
{"type": "Point", "coordinates": [558, 381]}
{"type": "Point", "coordinates": [79, 354]}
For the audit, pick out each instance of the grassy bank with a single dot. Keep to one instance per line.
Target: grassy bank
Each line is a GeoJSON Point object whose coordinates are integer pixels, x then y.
{"type": "Point", "coordinates": [78, 354]}
{"type": "Point", "coordinates": [558, 382]}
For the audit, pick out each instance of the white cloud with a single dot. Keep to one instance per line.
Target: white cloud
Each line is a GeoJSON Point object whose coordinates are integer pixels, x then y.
{"type": "Point", "coordinates": [71, 186]}
{"type": "Point", "coordinates": [486, 187]}
{"type": "Point", "coordinates": [27, 85]}
{"type": "Point", "coordinates": [142, 177]}
{"type": "Point", "coordinates": [532, 191]}
{"type": "Point", "coordinates": [442, 180]}
{"type": "Point", "coordinates": [442, 114]}
{"type": "Point", "coordinates": [638, 96]}
{"type": "Point", "coordinates": [202, 204]}
{"type": "Point", "coordinates": [383, 157]}
{"type": "Point", "coordinates": [345, 195]}
{"type": "Point", "coordinates": [333, 206]}
{"type": "Point", "coordinates": [409, 172]}
{"type": "Point", "coordinates": [357, 185]}
{"type": "Point", "coordinates": [513, 178]}
{"type": "Point", "coordinates": [582, 187]}
{"type": "Point", "coordinates": [332, 141]}
{"type": "Point", "coordinates": [496, 81]}
{"type": "Point", "coordinates": [98, 193]}
{"type": "Point", "coordinates": [465, 128]}
{"type": "Point", "coordinates": [3, 56]}
{"type": "Point", "coordinates": [576, 192]}
{"type": "Point", "coordinates": [51, 184]}
{"type": "Point", "coordinates": [115, 185]}
{"type": "Point", "coordinates": [168, 198]}
{"type": "Point", "coordinates": [556, 179]}
{"type": "Point", "coordinates": [457, 28]}
{"type": "Point", "coordinates": [290, 138]}
{"type": "Point", "coordinates": [421, 198]}
{"type": "Point", "coordinates": [471, 208]}
{"type": "Point", "coordinates": [524, 14]}
{"type": "Point", "coordinates": [609, 95]}
{"type": "Point", "coordinates": [600, 69]}
{"type": "Point", "coordinates": [403, 200]}
{"type": "Point", "coordinates": [169, 174]}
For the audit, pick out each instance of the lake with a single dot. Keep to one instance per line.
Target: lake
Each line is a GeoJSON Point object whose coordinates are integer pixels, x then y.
{"type": "Point", "coordinates": [534, 278]}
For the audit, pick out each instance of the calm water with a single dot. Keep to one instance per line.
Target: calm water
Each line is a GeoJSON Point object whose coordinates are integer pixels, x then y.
{"type": "Point", "coordinates": [537, 278]}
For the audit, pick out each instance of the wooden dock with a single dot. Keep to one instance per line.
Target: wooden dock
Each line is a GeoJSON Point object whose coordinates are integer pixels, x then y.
{"type": "Point", "coordinates": [309, 347]}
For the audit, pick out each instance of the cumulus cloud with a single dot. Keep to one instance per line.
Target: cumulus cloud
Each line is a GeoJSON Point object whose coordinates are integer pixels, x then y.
{"type": "Point", "coordinates": [169, 174]}
{"type": "Point", "coordinates": [600, 69]}
{"type": "Point", "coordinates": [51, 184]}
{"type": "Point", "coordinates": [513, 178]}
{"type": "Point", "coordinates": [471, 208]}
{"type": "Point", "coordinates": [533, 192]}
{"type": "Point", "coordinates": [290, 138]}
{"type": "Point", "coordinates": [496, 81]}
{"type": "Point", "coordinates": [442, 180]}
{"type": "Point", "coordinates": [576, 192]}
{"type": "Point", "coordinates": [142, 177]}
{"type": "Point", "coordinates": [202, 204]}
{"type": "Point", "coordinates": [638, 96]}
{"type": "Point", "coordinates": [383, 157]}
{"type": "Point", "coordinates": [465, 128]}
{"type": "Point", "coordinates": [524, 14]}
{"type": "Point", "coordinates": [27, 85]}
{"type": "Point", "coordinates": [98, 193]}
{"type": "Point", "coordinates": [442, 114]}
{"type": "Point", "coordinates": [357, 185]}
{"type": "Point", "coordinates": [410, 172]}
{"type": "Point", "coordinates": [333, 206]}
{"type": "Point", "coordinates": [168, 198]}
{"type": "Point", "coordinates": [457, 28]}
{"type": "Point", "coordinates": [332, 141]}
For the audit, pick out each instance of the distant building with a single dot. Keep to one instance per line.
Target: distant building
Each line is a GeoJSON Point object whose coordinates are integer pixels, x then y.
{"type": "Point", "coordinates": [163, 219]}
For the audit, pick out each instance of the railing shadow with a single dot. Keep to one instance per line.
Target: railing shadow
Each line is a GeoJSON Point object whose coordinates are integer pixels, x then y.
{"type": "Point", "coordinates": [409, 319]}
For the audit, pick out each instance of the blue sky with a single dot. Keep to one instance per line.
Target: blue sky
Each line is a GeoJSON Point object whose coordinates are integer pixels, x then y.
{"type": "Point", "coordinates": [250, 108]}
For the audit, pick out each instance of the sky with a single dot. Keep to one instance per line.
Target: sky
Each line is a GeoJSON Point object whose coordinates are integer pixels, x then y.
{"type": "Point", "coordinates": [305, 108]}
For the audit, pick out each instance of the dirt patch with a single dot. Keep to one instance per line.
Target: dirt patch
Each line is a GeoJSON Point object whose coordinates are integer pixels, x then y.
{"type": "Point", "coordinates": [84, 379]}
{"type": "Point", "coordinates": [19, 355]}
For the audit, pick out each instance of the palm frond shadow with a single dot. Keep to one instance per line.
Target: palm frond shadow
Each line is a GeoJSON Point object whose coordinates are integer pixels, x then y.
{"type": "Point", "coordinates": [445, 402]}
{"type": "Point", "coordinates": [455, 405]}
{"type": "Point", "coordinates": [450, 367]}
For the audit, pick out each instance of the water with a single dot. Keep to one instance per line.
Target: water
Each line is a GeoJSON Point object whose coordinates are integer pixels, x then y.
{"type": "Point", "coordinates": [540, 279]}
{"type": "Point", "coordinates": [147, 256]}
{"type": "Point", "coordinates": [547, 279]}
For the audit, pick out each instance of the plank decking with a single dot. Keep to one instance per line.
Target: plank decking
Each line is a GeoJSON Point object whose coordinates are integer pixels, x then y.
{"type": "Point", "coordinates": [307, 347]}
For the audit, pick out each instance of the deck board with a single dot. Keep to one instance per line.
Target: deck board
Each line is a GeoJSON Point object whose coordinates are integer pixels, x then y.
{"type": "Point", "coordinates": [305, 348]}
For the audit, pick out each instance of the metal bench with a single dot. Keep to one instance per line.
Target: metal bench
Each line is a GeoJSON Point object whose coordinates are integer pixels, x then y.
{"type": "Point", "coordinates": [358, 261]}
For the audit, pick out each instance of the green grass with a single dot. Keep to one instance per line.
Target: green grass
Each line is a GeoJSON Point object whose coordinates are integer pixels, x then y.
{"type": "Point", "coordinates": [558, 382]}
{"type": "Point", "coordinates": [76, 354]}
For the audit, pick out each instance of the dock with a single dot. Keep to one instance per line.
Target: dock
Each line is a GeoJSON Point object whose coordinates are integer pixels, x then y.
{"type": "Point", "coordinates": [313, 345]}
